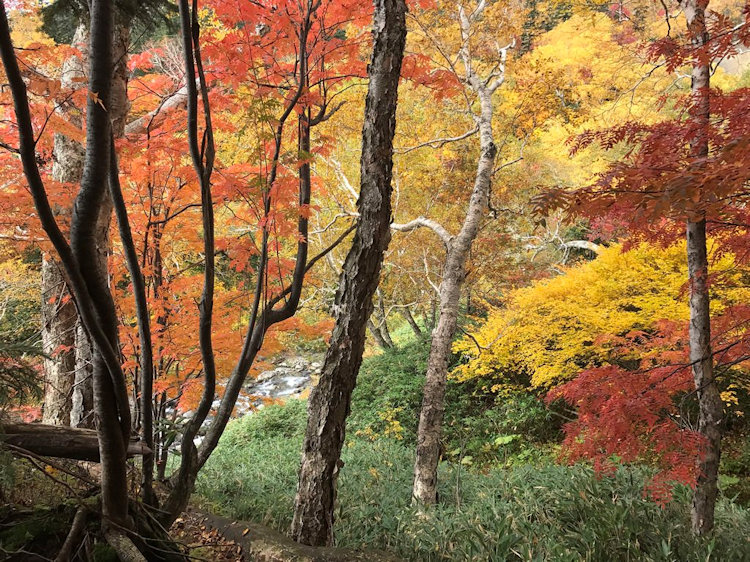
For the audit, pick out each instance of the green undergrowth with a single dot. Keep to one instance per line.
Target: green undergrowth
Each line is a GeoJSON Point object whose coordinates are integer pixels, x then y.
{"type": "Point", "coordinates": [44, 528]}
{"type": "Point", "coordinates": [519, 512]}
{"type": "Point", "coordinates": [480, 428]}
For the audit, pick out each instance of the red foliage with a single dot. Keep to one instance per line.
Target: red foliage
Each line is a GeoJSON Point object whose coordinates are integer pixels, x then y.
{"type": "Point", "coordinates": [27, 414]}
{"type": "Point", "coordinates": [658, 184]}
{"type": "Point", "coordinates": [632, 416]}
{"type": "Point", "coordinates": [640, 415]}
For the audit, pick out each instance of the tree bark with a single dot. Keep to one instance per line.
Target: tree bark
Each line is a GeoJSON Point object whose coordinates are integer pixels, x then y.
{"type": "Point", "coordinates": [429, 431]}
{"type": "Point", "coordinates": [59, 315]}
{"type": "Point", "coordinates": [82, 412]}
{"type": "Point", "coordinates": [330, 400]}
{"type": "Point", "coordinates": [58, 341]}
{"type": "Point", "coordinates": [412, 322]}
{"type": "Point", "coordinates": [711, 409]}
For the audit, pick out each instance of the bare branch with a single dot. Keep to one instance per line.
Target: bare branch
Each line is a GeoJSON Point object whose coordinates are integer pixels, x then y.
{"type": "Point", "coordinates": [146, 123]}
{"type": "Point", "coordinates": [583, 245]}
{"type": "Point", "coordinates": [422, 222]}
{"type": "Point", "coordinates": [440, 142]}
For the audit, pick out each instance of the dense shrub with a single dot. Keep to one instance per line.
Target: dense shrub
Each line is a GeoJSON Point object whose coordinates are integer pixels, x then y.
{"type": "Point", "coordinates": [479, 426]}
{"type": "Point", "coordinates": [525, 512]}
{"type": "Point", "coordinates": [390, 382]}
{"type": "Point", "coordinates": [284, 422]}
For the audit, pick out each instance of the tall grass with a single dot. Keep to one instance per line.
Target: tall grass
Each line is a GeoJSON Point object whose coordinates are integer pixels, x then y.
{"type": "Point", "coordinates": [527, 512]}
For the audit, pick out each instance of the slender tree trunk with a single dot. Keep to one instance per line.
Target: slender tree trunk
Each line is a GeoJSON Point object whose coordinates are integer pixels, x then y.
{"type": "Point", "coordinates": [386, 333]}
{"type": "Point", "coordinates": [431, 323]}
{"type": "Point", "coordinates": [412, 322]}
{"type": "Point", "coordinates": [330, 400]}
{"type": "Point", "coordinates": [383, 320]}
{"type": "Point", "coordinates": [110, 393]}
{"type": "Point", "coordinates": [378, 335]}
{"type": "Point", "coordinates": [710, 405]}
{"type": "Point", "coordinates": [429, 431]}
{"type": "Point", "coordinates": [119, 107]}
{"type": "Point", "coordinates": [711, 408]}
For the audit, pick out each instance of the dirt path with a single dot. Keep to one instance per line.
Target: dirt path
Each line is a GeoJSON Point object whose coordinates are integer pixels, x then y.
{"type": "Point", "coordinates": [221, 539]}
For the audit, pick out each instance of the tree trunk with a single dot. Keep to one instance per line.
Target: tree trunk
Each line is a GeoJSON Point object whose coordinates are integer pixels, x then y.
{"type": "Point", "coordinates": [330, 400]}
{"type": "Point", "coordinates": [710, 405]}
{"type": "Point", "coordinates": [58, 341]}
{"type": "Point", "coordinates": [429, 431]}
{"type": "Point", "coordinates": [383, 320]}
{"type": "Point", "coordinates": [378, 335]}
{"type": "Point", "coordinates": [87, 229]}
{"type": "Point", "coordinates": [119, 106]}
{"type": "Point", "coordinates": [82, 413]}
{"type": "Point", "coordinates": [412, 322]}
{"type": "Point", "coordinates": [59, 315]}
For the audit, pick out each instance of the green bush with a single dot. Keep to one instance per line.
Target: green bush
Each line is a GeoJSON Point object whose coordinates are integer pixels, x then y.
{"type": "Point", "coordinates": [521, 513]}
{"type": "Point", "coordinates": [389, 389]}
{"type": "Point", "coordinates": [275, 421]}
{"type": "Point", "coordinates": [392, 380]}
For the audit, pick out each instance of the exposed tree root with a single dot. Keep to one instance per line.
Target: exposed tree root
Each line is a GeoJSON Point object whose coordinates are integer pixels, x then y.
{"type": "Point", "coordinates": [74, 536]}
{"type": "Point", "coordinates": [65, 534]}
{"type": "Point", "coordinates": [124, 547]}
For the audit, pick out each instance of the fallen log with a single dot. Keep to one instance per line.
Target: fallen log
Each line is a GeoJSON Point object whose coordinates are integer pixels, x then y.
{"type": "Point", "coordinates": [60, 441]}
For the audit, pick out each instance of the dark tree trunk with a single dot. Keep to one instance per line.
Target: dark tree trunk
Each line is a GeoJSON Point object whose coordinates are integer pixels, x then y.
{"type": "Point", "coordinates": [119, 106]}
{"type": "Point", "coordinates": [710, 405]}
{"type": "Point", "coordinates": [110, 393]}
{"type": "Point", "coordinates": [330, 400]}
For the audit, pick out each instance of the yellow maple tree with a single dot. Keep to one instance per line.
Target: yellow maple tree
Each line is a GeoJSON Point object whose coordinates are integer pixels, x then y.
{"type": "Point", "coordinates": [550, 331]}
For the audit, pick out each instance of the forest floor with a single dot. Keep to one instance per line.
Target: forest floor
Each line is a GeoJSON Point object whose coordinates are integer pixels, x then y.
{"type": "Point", "coordinates": [205, 541]}
{"type": "Point", "coordinates": [213, 537]}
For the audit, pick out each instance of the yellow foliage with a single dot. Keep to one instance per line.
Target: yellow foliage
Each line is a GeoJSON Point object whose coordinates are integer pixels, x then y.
{"type": "Point", "coordinates": [391, 426]}
{"type": "Point", "coordinates": [26, 29]}
{"type": "Point", "coordinates": [550, 331]}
